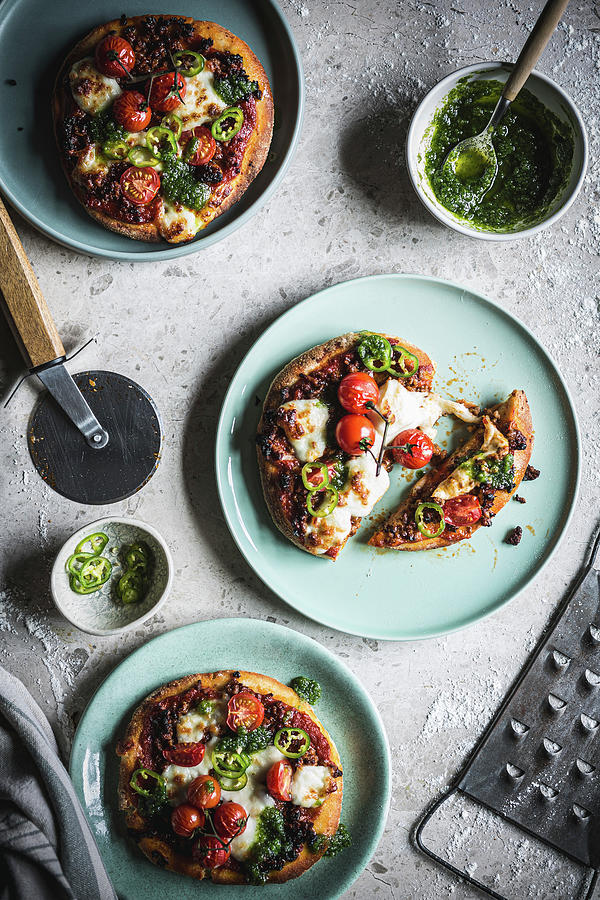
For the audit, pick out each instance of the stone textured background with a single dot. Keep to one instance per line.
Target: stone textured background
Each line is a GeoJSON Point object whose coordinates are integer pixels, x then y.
{"type": "Point", "coordinates": [345, 209]}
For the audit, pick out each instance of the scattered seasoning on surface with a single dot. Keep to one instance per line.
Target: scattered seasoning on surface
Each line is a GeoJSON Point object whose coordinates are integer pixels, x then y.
{"type": "Point", "coordinates": [531, 474]}
{"type": "Point", "coordinates": [519, 499]}
{"type": "Point", "coordinates": [514, 537]}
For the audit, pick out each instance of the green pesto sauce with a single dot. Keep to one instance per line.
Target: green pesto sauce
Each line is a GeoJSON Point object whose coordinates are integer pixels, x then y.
{"type": "Point", "coordinates": [534, 149]}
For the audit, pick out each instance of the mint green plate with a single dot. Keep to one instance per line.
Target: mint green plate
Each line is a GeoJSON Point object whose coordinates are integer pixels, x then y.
{"type": "Point", "coordinates": [30, 173]}
{"type": "Point", "coordinates": [482, 353]}
{"type": "Point", "coordinates": [346, 710]}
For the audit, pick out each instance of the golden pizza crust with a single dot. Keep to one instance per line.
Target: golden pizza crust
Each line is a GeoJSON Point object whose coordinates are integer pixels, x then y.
{"type": "Point", "coordinates": [513, 413]}
{"type": "Point", "coordinates": [256, 151]}
{"type": "Point", "coordinates": [158, 851]}
{"type": "Point", "coordinates": [312, 359]}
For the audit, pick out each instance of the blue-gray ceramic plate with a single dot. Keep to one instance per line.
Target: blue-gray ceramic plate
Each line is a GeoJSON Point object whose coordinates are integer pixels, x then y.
{"type": "Point", "coordinates": [345, 709]}
{"type": "Point", "coordinates": [36, 35]}
{"type": "Point", "coordinates": [482, 353]}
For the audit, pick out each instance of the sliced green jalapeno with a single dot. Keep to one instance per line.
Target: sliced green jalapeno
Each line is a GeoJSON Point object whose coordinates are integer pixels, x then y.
{"type": "Point", "coordinates": [79, 588]}
{"type": "Point", "coordinates": [327, 505]}
{"type": "Point", "coordinates": [228, 124]}
{"type": "Point", "coordinates": [375, 351]}
{"type": "Point", "coordinates": [130, 587]}
{"type": "Point", "coordinates": [188, 62]}
{"type": "Point", "coordinates": [115, 149]}
{"type": "Point", "coordinates": [292, 742]}
{"type": "Point", "coordinates": [229, 764]}
{"type": "Point", "coordinates": [97, 541]}
{"type": "Point", "coordinates": [309, 471]}
{"type": "Point", "coordinates": [173, 123]}
{"type": "Point", "coordinates": [411, 360]}
{"type": "Point", "coordinates": [159, 140]}
{"type": "Point", "coordinates": [76, 561]}
{"type": "Point", "coordinates": [137, 556]}
{"type": "Point", "coordinates": [424, 527]}
{"type": "Point", "coordinates": [233, 784]}
{"type": "Point", "coordinates": [155, 783]}
{"type": "Point", "coordinates": [142, 156]}
{"type": "Point", "coordinates": [95, 572]}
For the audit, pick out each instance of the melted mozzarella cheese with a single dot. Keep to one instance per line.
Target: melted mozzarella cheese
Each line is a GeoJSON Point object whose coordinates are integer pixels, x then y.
{"type": "Point", "coordinates": [202, 104]}
{"type": "Point", "coordinates": [192, 726]}
{"type": "Point", "coordinates": [177, 778]}
{"type": "Point", "coordinates": [308, 433]}
{"type": "Point", "coordinates": [89, 162]}
{"type": "Point", "coordinates": [309, 785]}
{"type": "Point", "coordinates": [92, 90]}
{"type": "Point", "coordinates": [177, 223]}
{"type": "Point", "coordinates": [362, 490]}
{"type": "Point", "coordinates": [414, 409]}
{"type": "Point", "coordinates": [460, 481]}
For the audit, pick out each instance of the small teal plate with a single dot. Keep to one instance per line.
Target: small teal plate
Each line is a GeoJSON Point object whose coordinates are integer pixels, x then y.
{"type": "Point", "coordinates": [36, 35]}
{"type": "Point", "coordinates": [346, 710]}
{"type": "Point", "coordinates": [482, 353]}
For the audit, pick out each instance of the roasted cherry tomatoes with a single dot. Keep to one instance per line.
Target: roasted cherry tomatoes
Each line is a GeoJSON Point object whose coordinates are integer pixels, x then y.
{"type": "Point", "coordinates": [114, 56]}
{"type": "Point", "coordinates": [229, 819]}
{"type": "Point", "coordinates": [204, 792]}
{"type": "Point", "coordinates": [185, 819]}
{"type": "Point", "coordinates": [354, 434]}
{"type": "Point", "coordinates": [356, 390]}
{"type": "Point", "coordinates": [210, 852]}
{"type": "Point", "coordinates": [131, 110]}
{"type": "Point", "coordinates": [167, 92]}
{"type": "Point", "coordinates": [200, 146]}
{"type": "Point", "coordinates": [279, 780]}
{"type": "Point", "coordinates": [463, 510]}
{"type": "Point", "coordinates": [186, 754]}
{"type": "Point", "coordinates": [140, 186]}
{"type": "Point", "coordinates": [244, 711]}
{"type": "Point", "coordinates": [412, 448]}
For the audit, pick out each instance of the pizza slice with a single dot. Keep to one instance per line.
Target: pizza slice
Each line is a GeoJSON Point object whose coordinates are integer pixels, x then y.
{"type": "Point", "coordinates": [465, 491]}
{"type": "Point", "coordinates": [327, 422]}
{"type": "Point", "coordinates": [231, 776]}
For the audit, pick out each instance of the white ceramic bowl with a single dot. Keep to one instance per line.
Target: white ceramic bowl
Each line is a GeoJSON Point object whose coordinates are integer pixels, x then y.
{"type": "Point", "coordinates": [99, 613]}
{"type": "Point", "coordinates": [549, 93]}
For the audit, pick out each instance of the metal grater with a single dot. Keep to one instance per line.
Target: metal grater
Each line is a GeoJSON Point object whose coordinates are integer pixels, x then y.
{"type": "Point", "coordinates": [538, 763]}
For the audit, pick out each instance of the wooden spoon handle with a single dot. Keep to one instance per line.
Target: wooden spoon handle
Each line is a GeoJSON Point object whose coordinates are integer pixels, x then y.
{"type": "Point", "coordinates": [541, 33]}
{"type": "Point", "coordinates": [26, 309]}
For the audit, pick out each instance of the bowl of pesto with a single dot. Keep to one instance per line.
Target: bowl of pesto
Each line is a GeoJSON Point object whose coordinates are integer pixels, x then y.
{"type": "Point", "coordinates": [540, 144]}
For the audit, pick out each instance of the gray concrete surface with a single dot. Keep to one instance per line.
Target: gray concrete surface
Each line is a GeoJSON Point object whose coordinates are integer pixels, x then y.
{"type": "Point", "coordinates": [345, 209]}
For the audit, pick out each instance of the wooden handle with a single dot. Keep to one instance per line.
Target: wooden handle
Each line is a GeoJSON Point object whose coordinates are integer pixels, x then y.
{"type": "Point", "coordinates": [541, 33]}
{"type": "Point", "coordinates": [25, 305]}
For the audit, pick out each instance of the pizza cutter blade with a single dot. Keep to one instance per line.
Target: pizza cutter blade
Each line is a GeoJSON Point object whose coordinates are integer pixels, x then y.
{"type": "Point", "coordinates": [95, 437]}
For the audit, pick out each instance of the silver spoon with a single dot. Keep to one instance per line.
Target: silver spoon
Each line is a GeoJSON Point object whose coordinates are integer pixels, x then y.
{"type": "Point", "coordinates": [473, 161]}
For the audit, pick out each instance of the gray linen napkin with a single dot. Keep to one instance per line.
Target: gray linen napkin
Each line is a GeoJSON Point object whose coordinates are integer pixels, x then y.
{"type": "Point", "coordinates": [47, 851]}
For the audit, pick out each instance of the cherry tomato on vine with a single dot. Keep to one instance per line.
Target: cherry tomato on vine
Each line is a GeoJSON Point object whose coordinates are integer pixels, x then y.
{"type": "Point", "coordinates": [140, 185]}
{"type": "Point", "coordinates": [204, 792]}
{"type": "Point", "coordinates": [229, 819]}
{"type": "Point", "coordinates": [186, 754]}
{"type": "Point", "coordinates": [131, 110]}
{"type": "Point", "coordinates": [203, 144]}
{"type": "Point", "coordinates": [185, 819]}
{"type": "Point", "coordinates": [463, 510]}
{"type": "Point", "coordinates": [244, 711]}
{"type": "Point", "coordinates": [210, 852]}
{"type": "Point", "coordinates": [356, 390]}
{"type": "Point", "coordinates": [412, 448]}
{"type": "Point", "coordinates": [167, 92]}
{"type": "Point", "coordinates": [114, 56]}
{"type": "Point", "coordinates": [279, 780]}
{"type": "Point", "coordinates": [354, 434]}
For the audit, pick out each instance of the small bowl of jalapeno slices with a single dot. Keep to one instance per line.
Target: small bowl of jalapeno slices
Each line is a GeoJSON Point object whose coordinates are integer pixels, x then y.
{"type": "Point", "coordinates": [112, 575]}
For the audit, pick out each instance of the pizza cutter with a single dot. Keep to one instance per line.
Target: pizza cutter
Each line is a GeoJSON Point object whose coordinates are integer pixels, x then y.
{"type": "Point", "coordinates": [95, 437]}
